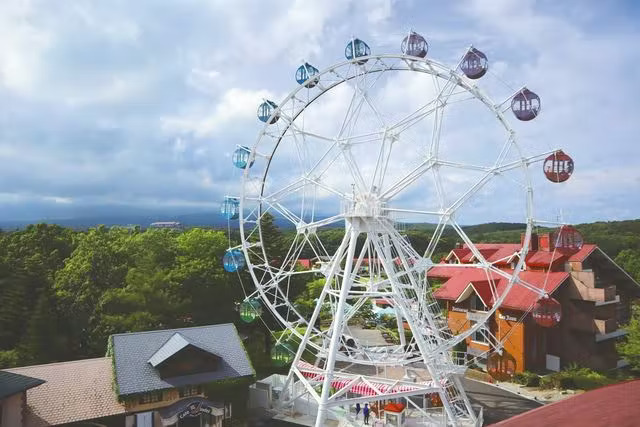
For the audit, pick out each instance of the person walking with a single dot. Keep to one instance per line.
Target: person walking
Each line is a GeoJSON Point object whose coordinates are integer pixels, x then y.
{"type": "Point", "coordinates": [357, 410]}
{"type": "Point", "coordinates": [365, 412]}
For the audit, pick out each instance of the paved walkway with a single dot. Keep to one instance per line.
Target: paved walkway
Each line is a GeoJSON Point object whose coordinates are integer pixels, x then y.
{"type": "Point", "coordinates": [368, 337]}
{"type": "Point", "coordinates": [498, 404]}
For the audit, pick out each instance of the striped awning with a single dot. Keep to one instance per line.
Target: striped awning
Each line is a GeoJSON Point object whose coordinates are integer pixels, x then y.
{"type": "Point", "coordinates": [361, 386]}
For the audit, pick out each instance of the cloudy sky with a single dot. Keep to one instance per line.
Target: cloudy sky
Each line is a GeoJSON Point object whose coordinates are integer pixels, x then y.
{"type": "Point", "coordinates": [124, 105]}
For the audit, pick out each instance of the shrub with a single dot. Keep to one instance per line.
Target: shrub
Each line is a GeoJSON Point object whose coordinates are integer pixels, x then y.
{"type": "Point", "coordinates": [533, 380]}
{"type": "Point", "coordinates": [520, 378]}
{"type": "Point", "coordinates": [526, 378]}
{"type": "Point", "coordinates": [566, 382]}
{"type": "Point", "coordinates": [575, 377]}
{"type": "Point", "coordinates": [546, 382]}
{"type": "Point", "coordinates": [9, 359]}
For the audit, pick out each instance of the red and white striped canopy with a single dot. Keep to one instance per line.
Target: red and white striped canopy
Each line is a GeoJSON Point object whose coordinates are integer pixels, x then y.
{"type": "Point", "coordinates": [368, 388]}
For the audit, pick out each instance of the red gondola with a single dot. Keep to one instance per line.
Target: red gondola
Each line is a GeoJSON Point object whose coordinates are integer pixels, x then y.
{"type": "Point", "coordinates": [547, 312]}
{"type": "Point", "coordinates": [501, 366]}
{"type": "Point", "coordinates": [558, 167]}
{"type": "Point", "coordinates": [567, 237]}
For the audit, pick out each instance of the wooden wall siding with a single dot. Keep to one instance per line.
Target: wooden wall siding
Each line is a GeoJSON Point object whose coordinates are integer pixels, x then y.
{"type": "Point", "coordinates": [168, 397]}
{"type": "Point", "coordinates": [458, 322]}
{"type": "Point", "coordinates": [514, 344]}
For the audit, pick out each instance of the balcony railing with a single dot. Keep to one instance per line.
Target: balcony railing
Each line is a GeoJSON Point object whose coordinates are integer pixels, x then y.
{"type": "Point", "coordinates": [586, 290]}
{"type": "Point", "coordinates": [604, 326]}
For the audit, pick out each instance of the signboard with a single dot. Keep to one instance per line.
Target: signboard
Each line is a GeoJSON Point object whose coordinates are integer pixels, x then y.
{"type": "Point", "coordinates": [507, 317]}
{"type": "Point", "coordinates": [194, 409]}
{"type": "Point", "coordinates": [460, 309]}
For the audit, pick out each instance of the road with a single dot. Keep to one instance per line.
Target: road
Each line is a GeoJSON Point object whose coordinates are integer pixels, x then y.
{"type": "Point", "coordinates": [498, 404]}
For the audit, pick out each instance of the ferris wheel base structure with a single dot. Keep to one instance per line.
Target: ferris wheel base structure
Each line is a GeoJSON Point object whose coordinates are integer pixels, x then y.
{"type": "Point", "coordinates": [402, 268]}
{"type": "Point", "coordinates": [295, 405]}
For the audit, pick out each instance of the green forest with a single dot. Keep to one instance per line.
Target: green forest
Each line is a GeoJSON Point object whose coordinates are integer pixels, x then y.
{"type": "Point", "coordinates": [63, 292]}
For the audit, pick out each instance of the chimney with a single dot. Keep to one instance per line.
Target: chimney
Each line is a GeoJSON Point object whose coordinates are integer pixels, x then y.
{"type": "Point", "coordinates": [546, 242]}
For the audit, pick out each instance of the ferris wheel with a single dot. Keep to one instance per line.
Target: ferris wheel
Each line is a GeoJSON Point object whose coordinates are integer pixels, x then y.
{"type": "Point", "coordinates": [350, 155]}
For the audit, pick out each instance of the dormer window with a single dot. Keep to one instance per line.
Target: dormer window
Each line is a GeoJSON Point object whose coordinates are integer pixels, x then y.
{"type": "Point", "coordinates": [179, 356]}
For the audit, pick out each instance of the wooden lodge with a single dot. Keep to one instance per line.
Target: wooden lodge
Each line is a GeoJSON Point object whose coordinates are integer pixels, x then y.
{"type": "Point", "coordinates": [593, 292]}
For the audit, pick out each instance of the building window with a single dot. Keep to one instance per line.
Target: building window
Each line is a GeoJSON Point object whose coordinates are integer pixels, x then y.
{"type": "Point", "coordinates": [475, 303]}
{"type": "Point", "coordinates": [150, 398]}
{"type": "Point", "coordinates": [479, 335]}
{"type": "Point", "coordinates": [191, 390]}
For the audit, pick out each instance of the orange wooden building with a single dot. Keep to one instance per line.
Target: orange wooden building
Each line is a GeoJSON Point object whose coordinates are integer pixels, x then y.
{"type": "Point", "coordinates": [594, 293]}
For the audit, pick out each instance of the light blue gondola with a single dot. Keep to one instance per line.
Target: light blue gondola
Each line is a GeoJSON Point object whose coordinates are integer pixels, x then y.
{"type": "Point", "coordinates": [230, 208]}
{"type": "Point", "coordinates": [233, 260]}
{"type": "Point", "coordinates": [306, 73]}
{"type": "Point", "coordinates": [241, 157]}
{"type": "Point", "coordinates": [356, 48]}
{"type": "Point", "coordinates": [265, 110]}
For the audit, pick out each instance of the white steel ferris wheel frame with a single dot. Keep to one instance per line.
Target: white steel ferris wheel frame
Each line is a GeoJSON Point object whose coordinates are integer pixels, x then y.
{"type": "Point", "coordinates": [368, 212]}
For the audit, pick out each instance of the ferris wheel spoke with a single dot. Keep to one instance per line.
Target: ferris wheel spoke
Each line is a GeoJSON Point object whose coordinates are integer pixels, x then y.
{"type": "Point", "coordinates": [426, 110]}
{"type": "Point", "coordinates": [313, 225]}
{"type": "Point", "coordinates": [305, 133]}
{"type": "Point", "coordinates": [328, 188]}
{"type": "Point", "coordinates": [282, 210]}
{"type": "Point", "coordinates": [435, 237]}
{"type": "Point", "coordinates": [490, 173]}
{"type": "Point", "coordinates": [404, 182]}
{"type": "Point", "coordinates": [285, 191]}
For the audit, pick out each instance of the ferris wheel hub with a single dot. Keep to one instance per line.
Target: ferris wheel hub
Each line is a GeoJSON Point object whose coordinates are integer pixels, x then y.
{"type": "Point", "coordinates": [365, 205]}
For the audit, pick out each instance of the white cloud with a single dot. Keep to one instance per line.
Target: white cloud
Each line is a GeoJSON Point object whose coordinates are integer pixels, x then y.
{"type": "Point", "coordinates": [140, 102]}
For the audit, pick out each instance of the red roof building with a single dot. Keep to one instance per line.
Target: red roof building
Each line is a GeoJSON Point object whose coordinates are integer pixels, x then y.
{"type": "Point", "coordinates": [594, 295]}
{"type": "Point", "coordinates": [614, 405]}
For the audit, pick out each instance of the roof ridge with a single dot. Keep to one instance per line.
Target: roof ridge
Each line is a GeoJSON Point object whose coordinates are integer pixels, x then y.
{"type": "Point", "coordinates": [172, 329]}
{"type": "Point", "coordinates": [67, 362]}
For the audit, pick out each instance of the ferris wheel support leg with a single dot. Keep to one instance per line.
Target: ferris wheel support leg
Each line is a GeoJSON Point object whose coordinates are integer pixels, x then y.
{"type": "Point", "coordinates": [338, 326]}
{"type": "Point", "coordinates": [387, 252]}
{"type": "Point", "coordinates": [456, 380]}
{"type": "Point", "coordinates": [437, 377]}
{"type": "Point", "coordinates": [318, 308]}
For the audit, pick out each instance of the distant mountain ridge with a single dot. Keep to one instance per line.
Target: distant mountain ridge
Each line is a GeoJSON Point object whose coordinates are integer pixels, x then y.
{"type": "Point", "coordinates": [210, 219]}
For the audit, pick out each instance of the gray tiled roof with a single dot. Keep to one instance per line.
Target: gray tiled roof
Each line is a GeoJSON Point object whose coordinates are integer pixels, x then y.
{"type": "Point", "coordinates": [11, 383]}
{"type": "Point", "coordinates": [132, 352]}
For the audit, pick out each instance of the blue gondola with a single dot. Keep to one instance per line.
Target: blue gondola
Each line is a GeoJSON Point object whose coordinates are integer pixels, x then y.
{"type": "Point", "coordinates": [305, 73]}
{"type": "Point", "coordinates": [265, 110]}
{"type": "Point", "coordinates": [356, 48]}
{"type": "Point", "coordinates": [233, 260]}
{"type": "Point", "coordinates": [241, 157]}
{"type": "Point", "coordinates": [414, 45]}
{"type": "Point", "coordinates": [230, 208]}
{"type": "Point", "coordinates": [474, 64]}
{"type": "Point", "coordinates": [525, 105]}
